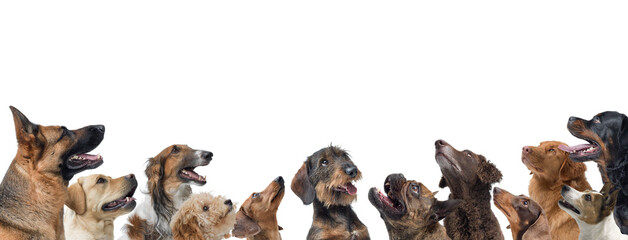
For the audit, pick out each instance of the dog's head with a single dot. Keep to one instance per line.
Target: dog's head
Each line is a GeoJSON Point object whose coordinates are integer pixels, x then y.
{"type": "Point", "coordinates": [521, 211]}
{"type": "Point", "coordinates": [464, 169]}
{"type": "Point", "coordinates": [588, 206]}
{"type": "Point", "coordinates": [55, 149]}
{"type": "Point", "coordinates": [408, 204]}
{"type": "Point", "coordinates": [175, 166]}
{"type": "Point", "coordinates": [204, 216]}
{"type": "Point", "coordinates": [328, 176]}
{"type": "Point", "coordinates": [606, 134]}
{"type": "Point", "coordinates": [550, 162]}
{"type": "Point", "coordinates": [259, 211]}
{"type": "Point", "coordinates": [101, 197]}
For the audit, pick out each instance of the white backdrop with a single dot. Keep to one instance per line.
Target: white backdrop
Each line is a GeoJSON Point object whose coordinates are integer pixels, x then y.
{"type": "Point", "coordinates": [263, 84]}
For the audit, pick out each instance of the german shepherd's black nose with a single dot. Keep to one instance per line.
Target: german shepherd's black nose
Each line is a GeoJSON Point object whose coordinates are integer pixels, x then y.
{"type": "Point", "coordinates": [97, 128]}
{"type": "Point", "coordinates": [207, 155]}
{"type": "Point", "coordinates": [351, 170]}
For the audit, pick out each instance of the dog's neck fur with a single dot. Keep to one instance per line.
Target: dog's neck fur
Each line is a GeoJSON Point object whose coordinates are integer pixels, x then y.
{"type": "Point", "coordinates": [98, 229]}
{"type": "Point", "coordinates": [474, 204]}
{"type": "Point", "coordinates": [17, 190]}
{"type": "Point", "coordinates": [270, 230]}
{"type": "Point", "coordinates": [606, 229]}
{"type": "Point", "coordinates": [428, 232]}
{"type": "Point", "coordinates": [342, 216]}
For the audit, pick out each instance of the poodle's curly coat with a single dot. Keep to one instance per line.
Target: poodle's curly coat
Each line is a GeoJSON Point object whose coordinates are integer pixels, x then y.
{"type": "Point", "coordinates": [204, 216]}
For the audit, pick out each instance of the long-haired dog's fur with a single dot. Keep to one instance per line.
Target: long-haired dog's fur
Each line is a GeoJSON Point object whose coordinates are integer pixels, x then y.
{"type": "Point", "coordinates": [325, 179]}
{"type": "Point", "coordinates": [204, 217]}
{"type": "Point", "coordinates": [170, 174]}
{"type": "Point", "coordinates": [469, 177]}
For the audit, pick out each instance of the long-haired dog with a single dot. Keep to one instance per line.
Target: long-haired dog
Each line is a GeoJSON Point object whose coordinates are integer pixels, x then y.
{"type": "Point", "coordinates": [257, 217]}
{"type": "Point", "coordinates": [469, 177]}
{"type": "Point", "coordinates": [33, 190]}
{"type": "Point", "coordinates": [326, 179]}
{"type": "Point", "coordinates": [410, 210]}
{"type": "Point", "coordinates": [551, 168]}
{"type": "Point", "coordinates": [170, 174]}
{"type": "Point", "coordinates": [607, 137]}
{"type": "Point", "coordinates": [526, 217]}
{"type": "Point", "coordinates": [94, 202]}
{"type": "Point", "coordinates": [593, 212]}
{"type": "Point", "coordinates": [203, 217]}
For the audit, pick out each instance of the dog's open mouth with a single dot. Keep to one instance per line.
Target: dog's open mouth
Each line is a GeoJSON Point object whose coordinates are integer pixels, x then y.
{"type": "Point", "coordinates": [582, 152]}
{"type": "Point", "coordinates": [348, 188]}
{"type": "Point", "coordinates": [389, 201]}
{"type": "Point", "coordinates": [188, 173]}
{"type": "Point", "coordinates": [566, 205]}
{"type": "Point", "coordinates": [84, 160]}
{"type": "Point", "coordinates": [121, 202]}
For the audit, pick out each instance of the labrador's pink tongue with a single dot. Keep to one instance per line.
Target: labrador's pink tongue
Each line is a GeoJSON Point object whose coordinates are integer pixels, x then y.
{"type": "Point", "coordinates": [574, 148]}
{"type": "Point", "coordinates": [351, 189]}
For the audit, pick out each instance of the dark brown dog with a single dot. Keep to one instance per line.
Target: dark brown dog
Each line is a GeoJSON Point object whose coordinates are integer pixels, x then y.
{"type": "Point", "coordinates": [257, 218]}
{"type": "Point", "coordinates": [469, 177]}
{"type": "Point", "coordinates": [607, 137]}
{"type": "Point", "coordinates": [410, 210]}
{"type": "Point", "coordinates": [551, 169]}
{"type": "Point", "coordinates": [526, 217]}
{"type": "Point", "coordinates": [325, 179]}
{"type": "Point", "coordinates": [34, 187]}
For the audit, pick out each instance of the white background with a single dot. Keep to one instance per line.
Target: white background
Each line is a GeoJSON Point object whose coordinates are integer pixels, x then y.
{"type": "Point", "coordinates": [264, 84]}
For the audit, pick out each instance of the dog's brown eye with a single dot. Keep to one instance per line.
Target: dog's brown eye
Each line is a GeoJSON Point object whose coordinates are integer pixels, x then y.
{"type": "Point", "coordinates": [415, 188]}
{"type": "Point", "coordinates": [551, 150]}
{"type": "Point", "coordinates": [525, 202]}
{"type": "Point", "coordinates": [587, 197]}
{"type": "Point", "coordinates": [101, 180]}
{"type": "Point", "coordinates": [175, 149]}
{"type": "Point", "coordinates": [205, 208]}
{"type": "Point", "coordinates": [324, 162]}
{"type": "Point", "coordinates": [255, 195]}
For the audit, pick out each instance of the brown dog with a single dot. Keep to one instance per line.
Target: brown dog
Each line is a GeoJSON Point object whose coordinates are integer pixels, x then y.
{"type": "Point", "coordinates": [257, 218]}
{"type": "Point", "coordinates": [410, 210]}
{"type": "Point", "coordinates": [551, 169]}
{"type": "Point", "coordinates": [526, 217]}
{"type": "Point", "coordinates": [33, 190]}
{"type": "Point", "coordinates": [326, 179]}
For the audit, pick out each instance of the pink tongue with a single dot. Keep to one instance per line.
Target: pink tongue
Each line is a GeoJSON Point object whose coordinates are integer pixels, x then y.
{"type": "Point", "coordinates": [351, 189]}
{"type": "Point", "coordinates": [574, 148]}
{"type": "Point", "coordinates": [88, 156]}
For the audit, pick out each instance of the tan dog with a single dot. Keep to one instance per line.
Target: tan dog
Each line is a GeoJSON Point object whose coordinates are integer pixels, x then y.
{"type": "Point", "coordinates": [94, 202]}
{"type": "Point", "coordinates": [33, 190]}
{"type": "Point", "coordinates": [203, 217]}
{"type": "Point", "coordinates": [257, 218]}
{"type": "Point", "coordinates": [526, 217]}
{"type": "Point", "coordinates": [551, 168]}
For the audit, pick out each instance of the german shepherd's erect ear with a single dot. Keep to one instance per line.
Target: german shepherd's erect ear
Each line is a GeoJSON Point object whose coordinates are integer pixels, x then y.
{"type": "Point", "coordinates": [302, 186]}
{"type": "Point", "coordinates": [25, 131]}
{"type": "Point", "coordinates": [75, 199]}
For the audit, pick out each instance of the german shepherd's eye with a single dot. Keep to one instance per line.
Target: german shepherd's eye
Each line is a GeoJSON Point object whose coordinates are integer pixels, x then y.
{"type": "Point", "coordinates": [101, 180]}
{"type": "Point", "coordinates": [175, 149]}
{"type": "Point", "coordinates": [205, 208]}
{"type": "Point", "coordinates": [324, 162]}
{"type": "Point", "coordinates": [587, 197]}
{"type": "Point", "coordinates": [255, 195]}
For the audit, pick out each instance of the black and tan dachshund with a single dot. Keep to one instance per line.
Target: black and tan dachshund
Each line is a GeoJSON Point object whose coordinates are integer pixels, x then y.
{"type": "Point", "coordinates": [607, 134]}
{"type": "Point", "coordinates": [326, 179]}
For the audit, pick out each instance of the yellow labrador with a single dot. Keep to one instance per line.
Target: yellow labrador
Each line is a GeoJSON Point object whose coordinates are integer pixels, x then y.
{"type": "Point", "coordinates": [94, 202]}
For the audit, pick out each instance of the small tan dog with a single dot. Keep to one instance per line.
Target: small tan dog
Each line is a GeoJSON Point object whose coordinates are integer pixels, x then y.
{"type": "Point", "coordinates": [94, 202]}
{"type": "Point", "coordinates": [257, 217]}
{"type": "Point", "coordinates": [202, 217]}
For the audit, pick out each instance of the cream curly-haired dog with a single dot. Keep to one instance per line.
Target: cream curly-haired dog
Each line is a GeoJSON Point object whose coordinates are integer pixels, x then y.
{"type": "Point", "coordinates": [204, 216]}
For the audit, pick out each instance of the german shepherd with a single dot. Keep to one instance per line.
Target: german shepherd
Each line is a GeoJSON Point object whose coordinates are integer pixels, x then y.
{"type": "Point", "coordinates": [34, 187]}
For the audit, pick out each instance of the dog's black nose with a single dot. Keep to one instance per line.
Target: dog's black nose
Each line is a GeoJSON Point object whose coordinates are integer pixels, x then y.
{"type": "Point", "coordinates": [440, 143]}
{"type": "Point", "coordinates": [279, 180]}
{"type": "Point", "coordinates": [565, 188]}
{"type": "Point", "coordinates": [97, 128]}
{"type": "Point", "coordinates": [572, 119]}
{"type": "Point", "coordinates": [228, 202]}
{"type": "Point", "coordinates": [351, 170]}
{"type": "Point", "coordinates": [497, 190]}
{"type": "Point", "coordinates": [130, 176]}
{"type": "Point", "coordinates": [207, 155]}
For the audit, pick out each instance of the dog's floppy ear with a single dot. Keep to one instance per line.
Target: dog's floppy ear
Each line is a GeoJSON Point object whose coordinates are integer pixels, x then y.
{"type": "Point", "coordinates": [487, 172]}
{"type": "Point", "coordinates": [75, 198]}
{"type": "Point", "coordinates": [440, 209]}
{"type": "Point", "coordinates": [302, 186]}
{"type": "Point", "coordinates": [245, 226]}
{"type": "Point", "coordinates": [571, 170]}
{"type": "Point", "coordinates": [442, 183]}
{"type": "Point", "coordinates": [25, 131]}
{"type": "Point", "coordinates": [186, 227]}
{"type": "Point", "coordinates": [155, 172]}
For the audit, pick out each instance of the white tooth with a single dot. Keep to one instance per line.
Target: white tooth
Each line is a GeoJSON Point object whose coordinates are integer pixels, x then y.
{"type": "Point", "coordinates": [98, 156]}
